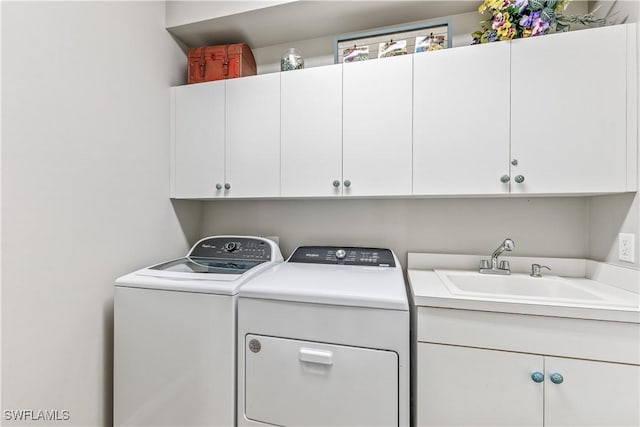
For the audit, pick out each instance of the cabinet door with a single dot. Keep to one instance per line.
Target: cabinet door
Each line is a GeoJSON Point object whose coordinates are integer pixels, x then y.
{"type": "Point", "coordinates": [568, 111]}
{"type": "Point", "coordinates": [198, 113]}
{"type": "Point", "coordinates": [461, 120]}
{"type": "Point", "coordinates": [311, 126]}
{"type": "Point", "coordinates": [461, 386]}
{"type": "Point", "coordinates": [377, 126]}
{"type": "Point", "coordinates": [591, 393]}
{"type": "Point", "coordinates": [253, 136]}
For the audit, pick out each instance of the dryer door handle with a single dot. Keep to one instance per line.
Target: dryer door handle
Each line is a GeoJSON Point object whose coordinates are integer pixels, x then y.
{"type": "Point", "coordinates": [312, 355]}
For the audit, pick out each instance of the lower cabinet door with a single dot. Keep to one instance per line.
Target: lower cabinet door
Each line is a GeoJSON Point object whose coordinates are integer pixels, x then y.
{"type": "Point", "coordinates": [588, 393]}
{"type": "Point", "coordinates": [299, 383]}
{"type": "Point", "coordinates": [461, 386]}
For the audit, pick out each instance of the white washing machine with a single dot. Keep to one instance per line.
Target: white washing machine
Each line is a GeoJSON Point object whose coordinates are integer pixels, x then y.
{"type": "Point", "coordinates": [175, 334]}
{"type": "Point", "coordinates": [323, 340]}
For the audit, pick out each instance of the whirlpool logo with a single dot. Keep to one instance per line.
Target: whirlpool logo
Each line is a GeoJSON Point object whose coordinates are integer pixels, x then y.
{"type": "Point", "coordinates": [37, 415]}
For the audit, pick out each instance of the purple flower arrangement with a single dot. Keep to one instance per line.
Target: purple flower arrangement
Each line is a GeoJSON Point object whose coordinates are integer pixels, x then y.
{"type": "Point", "coordinates": [513, 19]}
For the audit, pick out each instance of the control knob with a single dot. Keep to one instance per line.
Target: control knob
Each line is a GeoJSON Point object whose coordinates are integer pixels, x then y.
{"type": "Point", "coordinates": [341, 253]}
{"type": "Point", "coordinates": [230, 246]}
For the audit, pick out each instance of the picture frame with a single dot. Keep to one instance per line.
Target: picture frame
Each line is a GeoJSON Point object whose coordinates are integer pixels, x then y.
{"type": "Point", "coordinates": [392, 41]}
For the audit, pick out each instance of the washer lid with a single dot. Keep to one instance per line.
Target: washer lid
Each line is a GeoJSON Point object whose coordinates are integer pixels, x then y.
{"type": "Point", "coordinates": [319, 283]}
{"type": "Point", "coordinates": [206, 266]}
{"type": "Point", "coordinates": [218, 264]}
{"type": "Point", "coordinates": [219, 282]}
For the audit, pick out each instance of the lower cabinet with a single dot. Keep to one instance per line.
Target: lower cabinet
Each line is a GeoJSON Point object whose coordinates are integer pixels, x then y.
{"type": "Point", "coordinates": [591, 393]}
{"type": "Point", "coordinates": [459, 386]}
{"type": "Point", "coordinates": [462, 386]}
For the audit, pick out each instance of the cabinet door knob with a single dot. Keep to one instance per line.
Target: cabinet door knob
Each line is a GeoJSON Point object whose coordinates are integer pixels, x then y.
{"type": "Point", "coordinates": [519, 179]}
{"type": "Point", "coordinates": [556, 378]}
{"type": "Point", "coordinates": [347, 183]}
{"type": "Point", "coordinates": [227, 186]}
{"type": "Point", "coordinates": [336, 183]}
{"type": "Point", "coordinates": [218, 186]}
{"type": "Point", "coordinates": [505, 178]}
{"type": "Point", "coordinates": [537, 377]}
{"type": "Point", "coordinates": [514, 162]}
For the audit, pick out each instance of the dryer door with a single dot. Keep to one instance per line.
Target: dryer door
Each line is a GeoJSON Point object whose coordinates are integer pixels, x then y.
{"type": "Point", "coordinates": [301, 383]}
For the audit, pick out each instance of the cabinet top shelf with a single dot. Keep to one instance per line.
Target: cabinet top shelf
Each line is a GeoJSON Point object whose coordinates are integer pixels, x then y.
{"type": "Point", "coordinates": [304, 20]}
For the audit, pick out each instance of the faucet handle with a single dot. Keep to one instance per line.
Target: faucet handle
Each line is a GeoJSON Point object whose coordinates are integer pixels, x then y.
{"type": "Point", "coordinates": [484, 263]}
{"type": "Point", "coordinates": [504, 265]}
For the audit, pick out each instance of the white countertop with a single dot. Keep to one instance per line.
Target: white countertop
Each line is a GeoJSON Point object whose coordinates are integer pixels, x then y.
{"type": "Point", "coordinates": [619, 304]}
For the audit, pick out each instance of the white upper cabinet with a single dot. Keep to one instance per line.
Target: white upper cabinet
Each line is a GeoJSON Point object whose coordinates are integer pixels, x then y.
{"type": "Point", "coordinates": [377, 127]}
{"type": "Point", "coordinates": [569, 111]}
{"type": "Point", "coordinates": [197, 140]}
{"type": "Point", "coordinates": [253, 136]}
{"type": "Point", "coordinates": [546, 115]}
{"type": "Point", "coordinates": [311, 132]}
{"type": "Point", "coordinates": [461, 121]}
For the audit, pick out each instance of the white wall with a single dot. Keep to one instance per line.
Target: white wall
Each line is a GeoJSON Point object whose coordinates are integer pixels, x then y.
{"type": "Point", "coordinates": [319, 51]}
{"type": "Point", "coordinates": [85, 181]}
{"type": "Point", "coordinates": [552, 227]}
{"type": "Point", "coordinates": [183, 12]}
{"type": "Point", "coordinates": [0, 209]}
{"type": "Point", "coordinates": [620, 213]}
{"type": "Point", "coordinates": [608, 216]}
{"type": "Point", "coordinates": [312, 26]}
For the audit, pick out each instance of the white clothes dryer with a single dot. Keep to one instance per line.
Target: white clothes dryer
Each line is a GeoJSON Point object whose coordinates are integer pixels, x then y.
{"type": "Point", "coordinates": [323, 340]}
{"type": "Point", "coordinates": [175, 334]}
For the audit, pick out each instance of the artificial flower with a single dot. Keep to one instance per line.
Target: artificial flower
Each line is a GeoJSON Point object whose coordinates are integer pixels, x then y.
{"type": "Point", "coordinates": [518, 18]}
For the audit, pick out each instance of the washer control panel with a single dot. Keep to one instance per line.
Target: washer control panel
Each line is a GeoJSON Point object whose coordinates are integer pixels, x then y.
{"type": "Point", "coordinates": [237, 248]}
{"type": "Point", "coordinates": [343, 256]}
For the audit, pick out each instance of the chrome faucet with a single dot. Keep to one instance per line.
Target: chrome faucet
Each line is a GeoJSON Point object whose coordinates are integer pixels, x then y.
{"type": "Point", "coordinates": [495, 268]}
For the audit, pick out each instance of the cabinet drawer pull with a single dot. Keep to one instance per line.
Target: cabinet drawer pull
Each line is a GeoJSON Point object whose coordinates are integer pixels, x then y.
{"type": "Point", "coordinates": [336, 183]}
{"type": "Point", "coordinates": [519, 179]}
{"type": "Point", "coordinates": [537, 377]}
{"type": "Point", "coordinates": [227, 186]}
{"type": "Point", "coordinates": [556, 378]}
{"type": "Point", "coordinates": [218, 186]}
{"type": "Point", "coordinates": [347, 183]}
{"type": "Point", "coordinates": [505, 178]}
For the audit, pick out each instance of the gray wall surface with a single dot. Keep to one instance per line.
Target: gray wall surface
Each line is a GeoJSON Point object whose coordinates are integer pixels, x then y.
{"type": "Point", "coordinates": [618, 213]}
{"type": "Point", "coordinates": [85, 179]}
{"type": "Point", "coordinates": [554, 227]}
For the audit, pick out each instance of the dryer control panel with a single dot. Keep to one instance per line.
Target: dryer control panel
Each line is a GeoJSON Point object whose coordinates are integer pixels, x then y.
{"type": "Point", "coordinates": [343, 255]}
{"type": "Point", "coordinates": [236, 248]}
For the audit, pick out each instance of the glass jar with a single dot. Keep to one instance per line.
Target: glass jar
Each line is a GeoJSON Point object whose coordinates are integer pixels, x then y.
{"type": "Point", "coordinates": [291, 60]}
